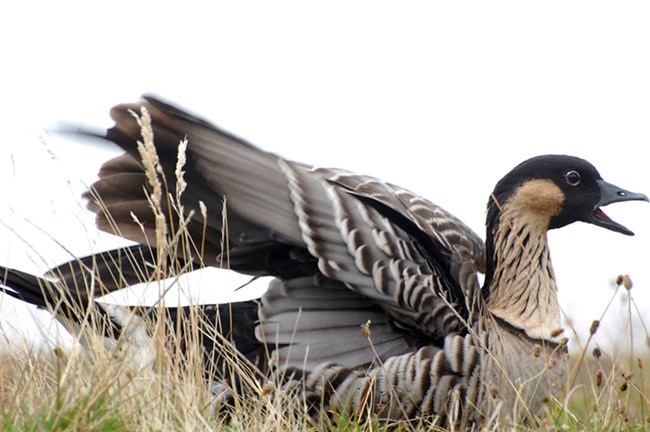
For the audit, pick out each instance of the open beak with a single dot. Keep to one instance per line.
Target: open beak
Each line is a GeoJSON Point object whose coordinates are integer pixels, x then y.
{"type": "Point", "coordinates": [610, 194]}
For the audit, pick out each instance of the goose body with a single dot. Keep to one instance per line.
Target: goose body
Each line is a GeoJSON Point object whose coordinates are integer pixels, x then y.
{"type": "Point", "coordinates": [376, 302]}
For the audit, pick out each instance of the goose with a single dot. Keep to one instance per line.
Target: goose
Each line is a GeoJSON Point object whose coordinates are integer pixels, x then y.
{"type": "Point", "coordinates": [376, 303]}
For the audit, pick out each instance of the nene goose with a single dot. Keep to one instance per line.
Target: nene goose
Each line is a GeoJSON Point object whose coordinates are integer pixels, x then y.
{"type": "Point", "coordinates": [347, 250]}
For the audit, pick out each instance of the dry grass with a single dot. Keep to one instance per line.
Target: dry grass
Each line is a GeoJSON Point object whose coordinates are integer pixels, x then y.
{"type": "Point", "coordinates": [117, 387]}
{"type": "Point", "coordinates": [96, 388]}
{"type": "Point", "coordinates": [610, 390]}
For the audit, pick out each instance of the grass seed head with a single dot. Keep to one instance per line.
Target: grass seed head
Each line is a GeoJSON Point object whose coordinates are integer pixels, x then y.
{"type": "Point", "coordinates": [58, 353]}
{"type": "Point", "coordinates": [594, 327]}
{"type": "Point", "coordinates": [597, 353]}
{"type": "Point", "coordinates": [627, 282]}
{"type": "Point", "coordinates": [365, 330]}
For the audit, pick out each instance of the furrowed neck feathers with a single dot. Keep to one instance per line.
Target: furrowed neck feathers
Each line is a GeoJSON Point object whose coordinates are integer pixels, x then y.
{"type": "Point", "coordinates": [520, 285]}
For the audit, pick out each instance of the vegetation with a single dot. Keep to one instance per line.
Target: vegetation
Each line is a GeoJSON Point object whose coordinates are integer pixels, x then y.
{"type": "Point", "coordinates": [118, 389]}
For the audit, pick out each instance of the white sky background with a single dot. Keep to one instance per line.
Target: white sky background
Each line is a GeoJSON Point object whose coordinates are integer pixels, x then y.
{"type": "Point", "coordinates": [440, 98]}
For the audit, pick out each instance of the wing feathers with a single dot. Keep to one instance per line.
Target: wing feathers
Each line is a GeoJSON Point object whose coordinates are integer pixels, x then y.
{"type": "Point", "coordinates": [380, 253]}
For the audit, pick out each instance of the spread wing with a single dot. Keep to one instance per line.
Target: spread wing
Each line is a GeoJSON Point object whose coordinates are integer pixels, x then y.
{"type": "Point", "coordinates": [70, 299]}
{"type": "Point", "coordinates": [346, 249]}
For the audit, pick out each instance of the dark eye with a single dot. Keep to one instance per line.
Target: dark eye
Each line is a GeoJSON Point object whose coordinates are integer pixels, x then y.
{"type": "Point", "coordinates": [572, 178]}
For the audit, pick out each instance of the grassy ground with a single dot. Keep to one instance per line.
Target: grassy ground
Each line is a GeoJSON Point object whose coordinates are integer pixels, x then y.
{"type": "Point", "coordinates": [98, 389]}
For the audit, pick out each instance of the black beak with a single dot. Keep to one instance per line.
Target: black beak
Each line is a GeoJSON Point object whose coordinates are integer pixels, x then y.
{"type": "Point", "coordinates": [610, 194]}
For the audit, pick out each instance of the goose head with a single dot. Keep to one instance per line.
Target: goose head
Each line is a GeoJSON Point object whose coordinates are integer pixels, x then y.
{"type": "Point", "coordinates": [557, 190]}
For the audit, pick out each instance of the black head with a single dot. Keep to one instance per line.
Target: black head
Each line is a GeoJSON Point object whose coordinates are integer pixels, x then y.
{"type": "Point", "coordinates": [564, 189]}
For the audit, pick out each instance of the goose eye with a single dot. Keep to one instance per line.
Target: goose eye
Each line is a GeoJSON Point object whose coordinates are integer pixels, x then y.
{"type": "Point", "coordinates": [572, 178]}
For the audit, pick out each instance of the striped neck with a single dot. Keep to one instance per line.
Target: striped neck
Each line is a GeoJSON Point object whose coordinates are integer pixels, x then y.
{"type": "Point", "coordinates": [520, 284]}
